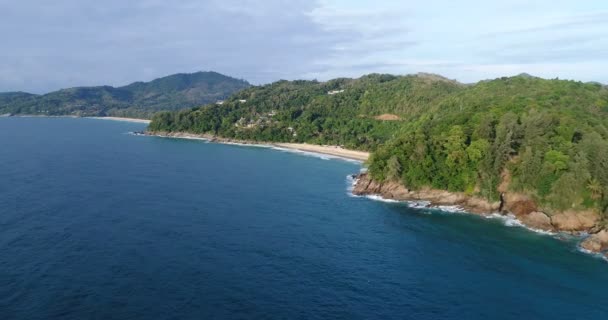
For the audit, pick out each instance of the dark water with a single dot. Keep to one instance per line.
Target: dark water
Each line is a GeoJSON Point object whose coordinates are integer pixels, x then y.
{"type": "Point", "coordinates": [99, 224]}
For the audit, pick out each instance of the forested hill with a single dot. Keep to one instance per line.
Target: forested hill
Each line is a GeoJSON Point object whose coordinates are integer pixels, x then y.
{"type": "Point", "coordinates": [340, 111]}
{"type": "Point", "coordinates": [139, 99]}
{"type": "Point", "coordinates": [549, 136]}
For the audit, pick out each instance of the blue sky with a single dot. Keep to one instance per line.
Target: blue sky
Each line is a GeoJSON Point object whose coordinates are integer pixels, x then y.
{"type": "Point", "coordinates": [47, 45]}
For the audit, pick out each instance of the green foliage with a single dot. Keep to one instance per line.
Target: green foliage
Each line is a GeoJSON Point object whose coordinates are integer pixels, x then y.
{"type": "Point", "coordinates": [140, 99]}
{"type": "Point", "coordinates": [305, 111]}
{"type": "Point", "coordinates": [550, 135]}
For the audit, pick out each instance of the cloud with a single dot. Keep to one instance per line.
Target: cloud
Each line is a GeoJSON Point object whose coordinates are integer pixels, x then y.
{"type": "Point", "coordinates": [72, 42]}
{"type": "Point", "coordinates": [63, 43]}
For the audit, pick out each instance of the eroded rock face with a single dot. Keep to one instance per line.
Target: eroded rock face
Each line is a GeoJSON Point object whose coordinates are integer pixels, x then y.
{"type": "Point", "coordinates": [575, 221]}
{"type": "Point", "coordinates": [518, 204]}
{"type": "Point", "coordinates": [537, 220]}
{"type": "Point", "coordinates": [521, 205]}
{"type": "Point", "coordinates": [596, 242]}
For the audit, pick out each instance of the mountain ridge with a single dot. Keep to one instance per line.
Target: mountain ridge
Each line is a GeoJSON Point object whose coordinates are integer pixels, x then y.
{"type": "Point", "coordinates": [137, 99]}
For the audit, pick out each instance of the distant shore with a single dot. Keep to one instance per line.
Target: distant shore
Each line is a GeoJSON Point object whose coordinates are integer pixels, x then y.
{"type": "Point", "coordinates": [122, 119]}
{"type": "Point", "coordinates": [335, 151]}
{"type": "Point", "coordinates": [72, 116]}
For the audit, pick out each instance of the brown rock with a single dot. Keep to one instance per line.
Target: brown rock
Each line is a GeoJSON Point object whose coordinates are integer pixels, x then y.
{"type": "Point", "coordinates": [575, 221]}
{"type": "Point", "coordinates": [537, 220]}
{"type": "Point", "coordinates": [481, 206]}
{"type": "Point", "coordinates": [596, 242]}
{"type": "Point", "coordinates": [518, 204]}
{"type": "Point", "coordinates": [591, 245]}
{"type": "Point", "coordinates": [588, 219]}
{"type": "Point", "coordinates": [395, 190]}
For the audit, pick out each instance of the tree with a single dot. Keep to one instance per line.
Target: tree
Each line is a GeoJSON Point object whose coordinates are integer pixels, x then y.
{"type": "Point", "coordinates": [394, 169]}
{"type": "Point", "coordinates": [595, 188]}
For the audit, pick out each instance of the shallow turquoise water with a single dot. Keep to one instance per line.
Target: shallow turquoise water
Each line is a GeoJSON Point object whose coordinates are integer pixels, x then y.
{"type": "Point", "coordinates": [99, 224]}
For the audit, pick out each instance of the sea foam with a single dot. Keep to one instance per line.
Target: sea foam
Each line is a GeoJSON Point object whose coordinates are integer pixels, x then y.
{"type": "Point", "coordinates": [508, 220]}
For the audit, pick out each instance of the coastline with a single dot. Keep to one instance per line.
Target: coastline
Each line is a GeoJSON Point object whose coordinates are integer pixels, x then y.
{"type": "Point", "coordinates": [326, 149]}
{"type": "Point", "coordinates": [136, 120]}
{"type": "Point", "coordinates": [334, 151]}
{"type": "Point", "coordinates": [586, 225]}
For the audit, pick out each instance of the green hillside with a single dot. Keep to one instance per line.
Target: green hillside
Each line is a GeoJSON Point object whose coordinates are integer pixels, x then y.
{"type": "Point", "coordinates": [139, 99]}
{"type": "Point", "coordinates": [550, 135]}
{"type": "Point", "coordinates": [339, 111]}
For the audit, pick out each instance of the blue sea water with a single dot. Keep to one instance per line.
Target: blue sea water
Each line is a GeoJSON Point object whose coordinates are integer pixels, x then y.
{"type": "Point", "coordinates": [96, 223]}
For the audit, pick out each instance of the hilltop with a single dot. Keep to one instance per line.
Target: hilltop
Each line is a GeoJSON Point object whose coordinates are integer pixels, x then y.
{"type": "Point", "coordinates": [139, 99]}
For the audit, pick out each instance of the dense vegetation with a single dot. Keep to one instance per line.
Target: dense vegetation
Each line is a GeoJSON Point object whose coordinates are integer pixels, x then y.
{"type": "Point", "coordinates": [139, 99]}
{"type": "Point", "coordinates": [316, 112]}
{"type": "Point", "coordinates": [549, 137]}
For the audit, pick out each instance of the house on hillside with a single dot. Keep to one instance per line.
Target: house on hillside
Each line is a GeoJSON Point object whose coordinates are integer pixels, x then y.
{"type": "Point", "coordinates": [331, 93]}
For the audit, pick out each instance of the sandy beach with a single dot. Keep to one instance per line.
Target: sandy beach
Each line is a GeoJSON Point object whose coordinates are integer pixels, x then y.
{"type": "Point", "coordinates": [122, 119]}
{"type": "Point", "coordinates": [335, 151]}
{"type": "Point", "coordinates": [324, 149]}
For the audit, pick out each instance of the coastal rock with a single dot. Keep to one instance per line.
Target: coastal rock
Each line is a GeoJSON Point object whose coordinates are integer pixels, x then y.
{"type": "Point", "coordinates": [596, 242]}
{"type": "Point", "coordinates": [518, 204]}
{"type": "Point", "coordinates": [393, 190]}
{"type": "Point", "coordinates": [481, 205]}
{"type": "Point", "coordinates": [537, 220]}
{"type": "Point", "coordinates": [364, 185]}
{"type": "Point", "coordinates": [575, 221]}
{"type": "Point", "coordinates": [521, 205]}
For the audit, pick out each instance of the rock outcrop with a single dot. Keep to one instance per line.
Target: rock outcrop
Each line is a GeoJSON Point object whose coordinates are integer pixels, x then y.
{"type": "Point", "coordinates": [521, 205]}
{"type": "Point", "coordinates": [596, 242]}
{"type": "Point", "coordinates": [575, 221]}
{"type": "Point", "coordinates": [537, 220]}
{"type": "Point", "coordinates": [518, 204]}
{"type": "Point", "coordinates": [365, 185]}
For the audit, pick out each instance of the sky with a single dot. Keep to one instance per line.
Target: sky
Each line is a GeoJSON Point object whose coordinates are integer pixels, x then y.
{"type": "Point", "coordinates": [48, 45]}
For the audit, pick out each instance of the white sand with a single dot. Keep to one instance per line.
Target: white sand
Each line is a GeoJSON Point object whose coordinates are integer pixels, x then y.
{"type": "Point", "coordinates": [330, 150]}
{"type": "Point", "coordinates": [123, 119]}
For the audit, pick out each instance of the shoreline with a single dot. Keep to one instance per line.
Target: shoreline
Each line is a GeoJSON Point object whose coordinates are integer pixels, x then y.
{"type": "Point", "coordinates": [334, 151]}
{"type": "Point", "coordinates": [135, 120]}
{"type": "Point", "coordinates": [327, 149]}
{"type": "Point", "coordinates": [592, 237]}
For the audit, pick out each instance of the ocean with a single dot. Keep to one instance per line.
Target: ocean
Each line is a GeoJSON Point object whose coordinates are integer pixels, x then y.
{"type": "Point", "coordinates": [97, 223]}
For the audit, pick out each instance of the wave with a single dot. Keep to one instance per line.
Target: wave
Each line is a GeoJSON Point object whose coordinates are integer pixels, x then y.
{"type": "Point", "coordinates": [379, 198]}
{"type": "Point", "coordinates": [508, 220]}
{"type": "Point", "coordinates": [322, 156]}
{"type": "Point", "coordinates": [307, 153]}
{"type": "Point", "coordinates": [511, 220]}
{"type": "Point", "coordinates": [351, 181]}
{"type": "Point", "coordinates": [596, 255]}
